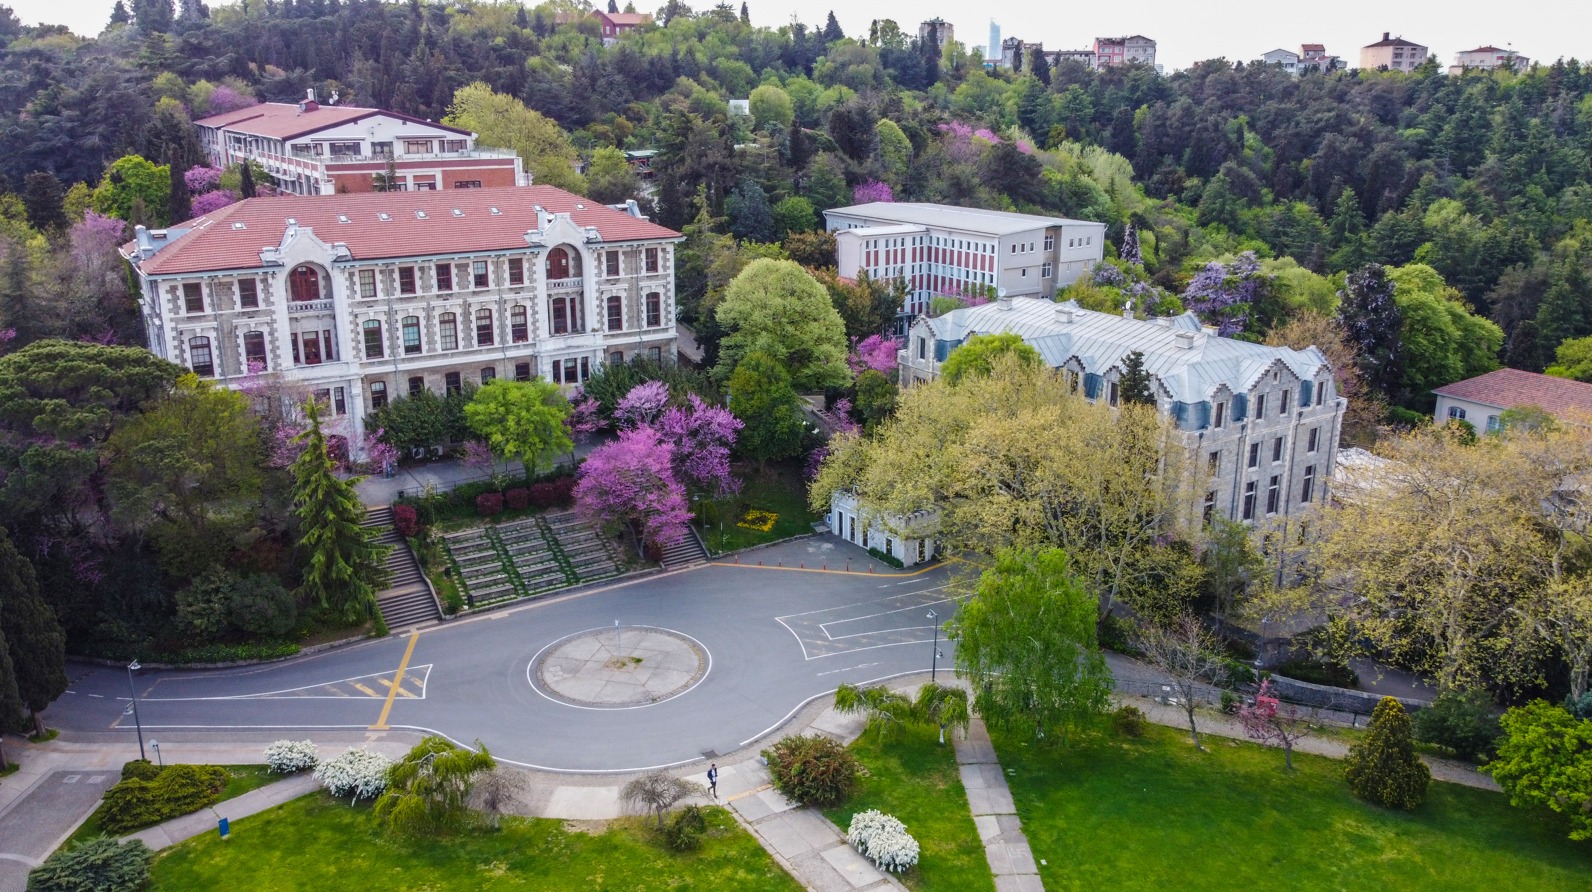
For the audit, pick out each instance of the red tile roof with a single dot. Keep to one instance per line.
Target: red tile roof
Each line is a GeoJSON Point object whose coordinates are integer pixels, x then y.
{"type": "Point", "coordinates": [282, 120]}
{"type": "Point", "coordinates": [1391, 41]}
{"type": "Point", "coordinates": [1511, 388]}
{"type": "Point", "coordinates": [627, 19]}
{"type": "Point", "coordinates": [216, 242]}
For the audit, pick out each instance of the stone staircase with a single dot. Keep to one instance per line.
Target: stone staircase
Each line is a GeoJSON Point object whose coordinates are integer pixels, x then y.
{"type": "Point", "coordinates": [685, 552]}
{"type": "Point", "coordinates": [407, 600]}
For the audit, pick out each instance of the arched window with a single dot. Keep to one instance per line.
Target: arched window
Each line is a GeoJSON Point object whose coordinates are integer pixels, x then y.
{"type": "Point", "coordinates": [411, 330]}
{"type": "Point", "coordinates": [519, 327]}
{"type": "Point", "coordinates": [561, 264]}
{"type": "Point", "coordinates": [254, 351]}
{"type": "Point", "coordinates": [616, 313]}
{"type": "Point", "coordinates": [374, 348]}
{"type": "Point", "coordinates": [304, 283]}
{"type": "Point", "coordinates": [378, 394]}
{"type": "Point", "coordinates": [448, 331]}
{"type": "Point", "coordinates": [199, 357]}
{"type": "Point", "coordinates": [654, 309]}
{"type": "Point", "coordinates": [488, 374]}
{"type": "Point", "coordinates": [483, 328]}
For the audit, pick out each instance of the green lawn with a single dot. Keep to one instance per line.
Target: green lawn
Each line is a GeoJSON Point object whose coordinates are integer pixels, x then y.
{"type": "Point", "coordinates": [779, 490]}
{"type": "Point", "coordinates": [316, 843]}
{"type": "Point", "coordinates": [240, 779]}
{"type": "Point", "coordinates": [1114, 813]}
{"type": "Point", "coordinates": [914, 778]}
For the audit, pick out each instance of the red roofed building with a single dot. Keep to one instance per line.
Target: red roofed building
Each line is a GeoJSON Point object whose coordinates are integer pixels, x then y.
{"type": "Point", "coordinates": [365, 297]}
{"type": "Point", "coordinates": [1482, 399]}
{"type": "Point", "coordinates": [616, 24]}
{"type": "Point", "coordinates": [314, 149]}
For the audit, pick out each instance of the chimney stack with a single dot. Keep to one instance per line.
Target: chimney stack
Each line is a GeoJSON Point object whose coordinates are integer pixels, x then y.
{"type": "Point", "coordinates": [1185, 340]}
{"type": "Point", "coordinates": [1003, 303]}
{"type": "Point", "coordinates": [1385, 35]}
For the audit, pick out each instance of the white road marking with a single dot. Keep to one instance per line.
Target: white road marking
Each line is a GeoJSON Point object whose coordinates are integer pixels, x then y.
{"type": "Point", "coordinates": [847, 669]}
{"type": "Point", "coordinates": [424, 673]}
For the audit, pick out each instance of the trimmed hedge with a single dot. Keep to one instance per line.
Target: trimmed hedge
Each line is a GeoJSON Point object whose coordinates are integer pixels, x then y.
{"type": "Point", "coordinates": [406, 520]}
{"type": "Point", "coordinates": [556, 493]}
{"type": "Point", "coordinates": [518, 498]}
{"type": "Point", "coordinates": [489, 504]}
{"type": "Point", "coordinates": [174, 791]}
{"type": "Point", "coordinates": [210, 653]}
{"type": "Point", "coordinates": [892, 560]}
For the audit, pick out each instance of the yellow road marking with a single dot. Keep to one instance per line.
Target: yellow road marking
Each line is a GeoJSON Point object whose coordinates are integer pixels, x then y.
{"type": "Point", "coordinates": [840, 572]}
{"type": "Point", "coordinates": [363, 690]}
{"type": "Point", "coordinates": [392, 693]}
{"type": "Point", "coordinates": [399, 688]}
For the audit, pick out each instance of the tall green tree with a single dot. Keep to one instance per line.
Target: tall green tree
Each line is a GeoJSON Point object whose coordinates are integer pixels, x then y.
{"type": "Point", "coordinates": [774, 307]}
{"type": "Point", "coordinates": [1545, 762]}
{"type": "Point", "coordinates": [761, 396]}
{"type": "Point", "coordinates": [609, 177]}
{"type": "Point", "coordinates": [523, 420]}
{"type": "Point", "coordinates": [11, 717]}
{"type": "Point", "coordinates": [1135, 386]}
{"type": "Point", "coordinates": [751, 218]}
{"type": "Point", "coordinates": [1026, 641]}
{"type": "Point", "coordinates": [31, 632]}
{"type": "Point", "coordinates": [504, 121]}
{"type": "Point", "coordinates": [135, 190]}
{"type": "Point", "coordinates": [344, 567]}
{"type": "Point", "coordinates": [44, 198]}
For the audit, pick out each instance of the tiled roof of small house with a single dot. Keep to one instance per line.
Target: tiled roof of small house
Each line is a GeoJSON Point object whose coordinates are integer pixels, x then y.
{"type": "Point", "coordinates": [1512, 388]}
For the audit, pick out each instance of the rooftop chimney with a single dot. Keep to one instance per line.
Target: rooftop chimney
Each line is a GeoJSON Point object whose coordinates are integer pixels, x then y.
{"type": "Point", "coordinates": [1064, 313]}
{"type": "Point", "coordinates": [1003, 302]}
{"type": "Point", "coordinates": [309, 104]}
{"type": "Point", "coordinates": [1385, 35]}
{"type": "Point", "coordinates": [1184, 339]}
{"type": "Point", "coordinates": [146, 245]}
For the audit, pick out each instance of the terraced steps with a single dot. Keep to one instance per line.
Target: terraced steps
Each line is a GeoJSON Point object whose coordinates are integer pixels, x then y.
{"type": "Point", "coordinates": [406, 601]}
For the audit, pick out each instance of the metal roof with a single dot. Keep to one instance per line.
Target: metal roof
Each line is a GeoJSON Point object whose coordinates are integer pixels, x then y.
{"type": "Point", "coordinates": [1099, 341]}
{"type": "Point", "coordinates": [948, 216]}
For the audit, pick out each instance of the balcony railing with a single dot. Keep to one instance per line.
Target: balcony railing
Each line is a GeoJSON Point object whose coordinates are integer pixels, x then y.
{"type": "Point", "coordinates": [574, 284]}
{"type": "Point", "coordinates": [403, 156]}
{"type": "Point", "coordinates": [309, 306]}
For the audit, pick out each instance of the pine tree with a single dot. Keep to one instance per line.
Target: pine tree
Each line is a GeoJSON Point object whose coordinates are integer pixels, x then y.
{"type": "Point", "coordinates": [1131, 252]}
{"type": "Point", "coordinates": [119, 14]}
{"type": "Point", "coordinates": [179, 205]}
{"type": "Point", "coordinates": [613, 6]}
{"type": "Point", "coordinates": [746, 16]}
{"type": "Point", "coordinates": [1383, 768]}
{"type": "Point", "coordinates": [1346, 232]}
{"type": "Point", "coordinates": [1373, 325]}
{"type": "Point", "coordinates": [832, 30]}
{"type": "Point", "coordinates": [246, 181]}
{"type": "Point", "coordinates": [32, 635]}
{"type": "Point", "coordinates": [1135, 385]}
{"type": "Point", "coordinates": [343, 565]}
{"type": "Point", "coordinates": [1563, 313]}
{"type": "Point", "coordinates": [43, 197]}
{"type": "Point", "coordinates": [1039, 66]}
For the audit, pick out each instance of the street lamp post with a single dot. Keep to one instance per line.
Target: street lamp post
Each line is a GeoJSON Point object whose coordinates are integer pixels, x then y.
{"type": "Point", "coordinates": [131, 668]}
{"type": "Point", "coordinates": [934, 665]}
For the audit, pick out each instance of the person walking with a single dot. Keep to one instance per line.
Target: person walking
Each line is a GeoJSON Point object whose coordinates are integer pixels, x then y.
{"type": "Point", "coordinates": [713, 779]}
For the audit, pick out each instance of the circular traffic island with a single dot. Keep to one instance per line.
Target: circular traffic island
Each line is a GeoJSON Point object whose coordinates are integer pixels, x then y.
{"type": "Point", "coordinates": [619, 668]}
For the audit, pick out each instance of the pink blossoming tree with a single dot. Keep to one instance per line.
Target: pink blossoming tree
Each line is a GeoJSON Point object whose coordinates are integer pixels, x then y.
{"type": "Point", "coordinates": [703, 435]}
{"type": "Point", "coordinates": [1268, 721]}
{"type": "Point", "coordinates": [631, 484]}
{"type": "Point", "coordinates": [212, 201]}
{"type": "Point", "coordinates": [875, 352]}
{"type": "Point", "coordinates": [642, 405]}
{"type": "Point", "coordinates": [872, 191]}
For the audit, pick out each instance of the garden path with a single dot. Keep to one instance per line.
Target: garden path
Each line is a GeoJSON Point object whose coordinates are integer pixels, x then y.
{"type": "Point", "coordinates": [995, 815]}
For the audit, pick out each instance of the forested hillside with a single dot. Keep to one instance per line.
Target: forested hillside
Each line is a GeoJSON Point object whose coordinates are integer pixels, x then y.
{"type": "Point", "coordinates": [1483, 179]}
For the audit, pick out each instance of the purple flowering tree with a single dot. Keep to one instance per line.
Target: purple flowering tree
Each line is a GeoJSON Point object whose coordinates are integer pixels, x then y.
{"type": "Point", "coordinates": [875, 352]}
{"type": "Point", "coordinates": [585, 416]}
{"type": "Point", "coordinates": [1224, 294]}
{"type": "Point", "coordinates": [379, 455]}
{"type": "Point", "coordinates": [224, 99]}
{"type": "Point", "coordinates": [703, 435]}
{"type": "Point", "coordinates": [212, 201]}
{"type": "Point", "coordinates": [202, 178]}
{"type": "Point", "coordinates": [642, 405]}
{"type": "Point", "coordinates": [1130, 246]}
{"type": "Point", "coordinates": [478, 457]}
{"type": "Point", "coordinates": [872, 191]}
{"type": "Point", "coordinates": [844, 423]}
{"type": "Point", "coordinates": [631, 484]}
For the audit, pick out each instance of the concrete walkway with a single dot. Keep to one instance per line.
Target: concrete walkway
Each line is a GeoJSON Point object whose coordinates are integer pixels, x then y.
{"type": "Point", "coordinates": [207, 820]}
{"type": "Point", "coordinates": [994, 813]}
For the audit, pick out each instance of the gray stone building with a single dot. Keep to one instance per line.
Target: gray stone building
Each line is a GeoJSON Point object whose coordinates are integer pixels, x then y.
{"type": "Point", "coordinates": [1262, 423]}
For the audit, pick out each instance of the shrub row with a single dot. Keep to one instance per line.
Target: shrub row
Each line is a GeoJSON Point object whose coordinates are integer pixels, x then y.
{"type": "Point", "coordinates": [890, 559]}
{"type": "Point", "coordinates": [210, 653]}
{"type": "Point", "coordinates": [142, 800]}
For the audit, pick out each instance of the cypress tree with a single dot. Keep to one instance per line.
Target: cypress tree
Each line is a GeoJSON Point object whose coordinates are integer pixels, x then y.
{"type": "Point", "coordinates": [33, 635]}
{"type": "Point", "coordinates": [343, 565]}
{"type": "Point", "coordinates": [1135, 385]}
{"type": "Point", "coordinates": [179, 205]}
{"type": "Point", "coordinates": [10, 701]}
{"type": "Point", "coordinates": [246, 181]}
{"type": "Point", "coordinates": [1383, 768]}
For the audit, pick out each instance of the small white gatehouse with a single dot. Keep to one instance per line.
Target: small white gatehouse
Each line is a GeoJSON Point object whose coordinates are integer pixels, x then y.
{"type": "Point", "coordinates": [909, 539]}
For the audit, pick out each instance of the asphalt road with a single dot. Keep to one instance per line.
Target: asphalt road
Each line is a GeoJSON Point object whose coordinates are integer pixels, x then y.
{"type": "Point", "coordinates": [775, 638]}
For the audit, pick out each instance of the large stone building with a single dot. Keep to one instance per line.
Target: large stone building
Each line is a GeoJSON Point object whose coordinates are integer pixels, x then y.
{"type": "Point", "coordinates": [1261, 422]}
{"type": "Point", "coordinates": [1394, 54]}
{"type": "Point", "coordinates": [943, 249]}
{"type": "Point", "coordinates": [360, 298]}
{"type": "Point", "coordinates": [314, 149]}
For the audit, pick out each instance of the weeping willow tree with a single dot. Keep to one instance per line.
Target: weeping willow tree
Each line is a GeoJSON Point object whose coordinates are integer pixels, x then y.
{"type": "Point", "coordinates": [428, 790]}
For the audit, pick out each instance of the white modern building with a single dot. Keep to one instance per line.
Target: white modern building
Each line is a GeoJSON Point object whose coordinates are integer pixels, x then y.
{"type": "Point", "coordinates": [1488, 58]}
{"type": "Point", "coordinates": [943, 249]}
{"type": "Point", "coordinates": [360, 298]}
{"type": "Point", "coordinates": [1287, 60]}
{"type": "Point", "coordinates": [314, 149]}
{"type": "Point", "coordinates": [1261, 422]}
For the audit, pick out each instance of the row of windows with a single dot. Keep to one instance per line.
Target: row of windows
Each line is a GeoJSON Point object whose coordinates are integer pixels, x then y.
{"type": "Point", "coordinates": [566, 316]}
{"type": "Point", "coordinates": [1284, 403]}
{"type": "Point", "coordinates": [1213, 461]}
{"type": "Point", "coordinates": [1307, 491]}
{"type": "Point", "coordinates": [201, 358]}
{"type": "Point", "coordinates": [1458, 414]}
{"type": "Point", "coordinates": [304, 281]}
{"type": "Point", "coordinates": [565, 371]}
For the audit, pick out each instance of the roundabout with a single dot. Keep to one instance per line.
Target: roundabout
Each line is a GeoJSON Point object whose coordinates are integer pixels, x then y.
{"type": "Point", "coordinates": [705, 662]}
{"type": "Point", "coordinates": [619, 668]}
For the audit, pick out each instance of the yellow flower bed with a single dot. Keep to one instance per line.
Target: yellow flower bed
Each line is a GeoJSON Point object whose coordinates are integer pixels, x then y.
{"type": "Point", "coordinates": [761, 521]}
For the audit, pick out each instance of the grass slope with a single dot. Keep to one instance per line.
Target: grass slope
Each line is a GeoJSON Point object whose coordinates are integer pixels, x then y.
{"type": "Point", "coordinates": [1114, 813]}
{"type": "Point", "coordinates": [914, 778]}
{"type": "Point", "coordinates": [779, 490]}
{"type": "Point", "coordinates": [240, 779]}
{"type": "Point", "coordinates": [317, 843]}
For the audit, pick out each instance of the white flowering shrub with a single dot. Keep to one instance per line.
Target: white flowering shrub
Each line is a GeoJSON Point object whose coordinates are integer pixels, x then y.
{"type": "Point", "coordinates": [288, 756]}
{"type": "Point", "coordinates": [883, 840]}
{"type": "Point", "coordinates": [355, 772]}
